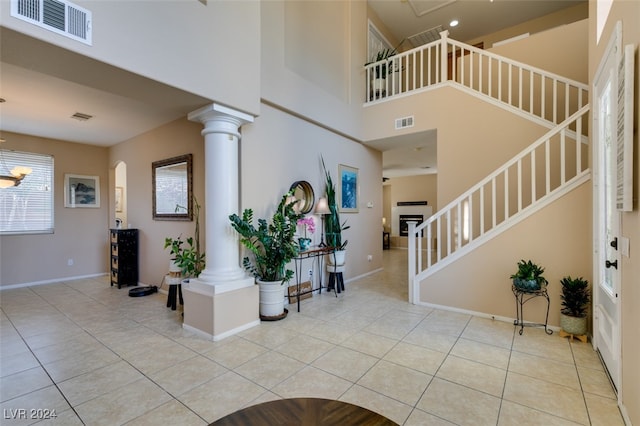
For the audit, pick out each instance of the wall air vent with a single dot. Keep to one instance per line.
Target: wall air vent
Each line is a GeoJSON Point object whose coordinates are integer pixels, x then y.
{"type": "Point", "coordinates": [80, 116]}
{"type": "Point", "coordinates": [404, 122]}
{"type": "Point", "coordinates": [59, 16]}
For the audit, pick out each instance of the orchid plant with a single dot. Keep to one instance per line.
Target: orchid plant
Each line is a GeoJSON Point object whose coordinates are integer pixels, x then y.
{"type": "Point", "coordinates": [308, 224]}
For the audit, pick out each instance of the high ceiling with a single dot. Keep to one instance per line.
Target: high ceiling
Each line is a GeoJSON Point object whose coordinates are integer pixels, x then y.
{"type": "Point", "coordinates": [476, 18]}
{"type": "Point", "coordinates": [416, 154]}
{"type": "Point", "coordinates": [41, 101]}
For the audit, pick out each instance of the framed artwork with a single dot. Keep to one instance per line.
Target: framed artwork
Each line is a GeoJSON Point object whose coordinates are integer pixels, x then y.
{"type": "Point", "coordinates": [118, 199]}
{"type": "Point", "coordinates": [81, 191]}
{"type": "Point", "coordinates": [348, 189]}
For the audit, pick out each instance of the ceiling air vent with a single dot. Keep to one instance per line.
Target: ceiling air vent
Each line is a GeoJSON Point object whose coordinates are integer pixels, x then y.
{"type": "Point", "coordinates": [404, 122]}
{"type": "Point", "coordinates": [59, 16]}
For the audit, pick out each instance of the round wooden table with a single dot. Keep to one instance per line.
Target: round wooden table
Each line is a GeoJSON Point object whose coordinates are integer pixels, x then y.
{"type": "Point", "coordinates": [304, 412]}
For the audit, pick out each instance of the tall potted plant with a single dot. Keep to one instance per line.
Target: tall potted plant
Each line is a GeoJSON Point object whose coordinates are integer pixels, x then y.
{"type": "Point", "coordinates": [188, 261]}
{"type": "Point", "coordinates": [272, 245]}
{"type": "Point", "coordinates": [333, 226]}
{"type": "Point", "coordinates": [382, 69]}
{"type": "Point", "coordinates": [575, 301]}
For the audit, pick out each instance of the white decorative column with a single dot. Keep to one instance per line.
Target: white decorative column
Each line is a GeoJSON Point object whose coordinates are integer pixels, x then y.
{"type": "Point", "coordinates": [223, 300]}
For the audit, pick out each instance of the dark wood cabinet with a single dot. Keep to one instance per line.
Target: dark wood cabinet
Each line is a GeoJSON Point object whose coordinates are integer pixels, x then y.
{"type": "Point", "coordinates": [124, 256]}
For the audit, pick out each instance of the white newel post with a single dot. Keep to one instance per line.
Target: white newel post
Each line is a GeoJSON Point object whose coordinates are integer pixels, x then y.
{"type": "Point", "coordinates": [223, 299]}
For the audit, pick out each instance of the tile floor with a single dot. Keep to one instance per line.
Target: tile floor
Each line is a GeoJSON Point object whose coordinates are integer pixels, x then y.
{"type": "Point", "coordinates": [97, 356]}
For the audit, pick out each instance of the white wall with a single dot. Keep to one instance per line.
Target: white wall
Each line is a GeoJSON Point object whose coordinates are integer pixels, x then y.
{"type": "Point", "coordinates": [312, 60]}
{"type": "Point", "coordinates": [279, 149]}
{"type": "Point", "coordinates": [212, 50]}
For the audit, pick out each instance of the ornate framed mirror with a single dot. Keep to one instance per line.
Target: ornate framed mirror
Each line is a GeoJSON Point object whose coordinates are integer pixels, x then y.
{"type": "Point", "coordinates": [172, 188]}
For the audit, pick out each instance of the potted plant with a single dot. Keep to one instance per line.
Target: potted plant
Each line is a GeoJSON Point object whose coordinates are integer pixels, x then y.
{"type": "Point", "coordinates": [308, 224]}
{"type": "Point", "coordinates": [575, 301]}
{"type": "Point", "coordinates": [383, 69]}
{"type": "Point", "coordinates": [272, 245]}
{"type": "Point", "coordinates": [188, 261]}
{"type": "Point", "coordinates": [529, 277]}
{"type": "Point", "coordinates": [333, 227]}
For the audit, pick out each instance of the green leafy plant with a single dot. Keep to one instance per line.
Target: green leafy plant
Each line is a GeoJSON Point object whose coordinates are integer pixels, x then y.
{"type": "Point", "coordinates": [575, 296]}
{"type": "Point", "coordinates": [272, 244]}
{"type": "Point", "coordinates": [384, 69]}
{"type": "Point", "coordinates": [528, 273]}
{"type": "Point", "coordinates": [333, 226]}
{"type": "Point", "coordinates": [189, 259]}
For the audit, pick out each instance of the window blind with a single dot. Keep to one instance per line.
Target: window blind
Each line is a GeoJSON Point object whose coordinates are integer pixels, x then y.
{"type": "Point", "coordinates": [28, 207]}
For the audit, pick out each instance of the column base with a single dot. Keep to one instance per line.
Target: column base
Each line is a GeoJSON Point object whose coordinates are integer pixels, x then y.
{"type": "Point", "coordinates": [220, 310]}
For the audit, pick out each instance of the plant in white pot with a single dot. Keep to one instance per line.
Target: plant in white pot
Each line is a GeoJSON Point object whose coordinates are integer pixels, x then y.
{"type": "Point", "coordinates": [575, 301]}
{"type": "Point", "coordinates": [333, 227]}
{"type": "Point", "coordinates": [272, 245]}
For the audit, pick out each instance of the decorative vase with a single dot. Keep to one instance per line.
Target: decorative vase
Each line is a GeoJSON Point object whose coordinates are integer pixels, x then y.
{"type": "Point", "coordinates": [271, 299]}
{"type": "Point", "coordinates": [526, 285]}
{"type": "Point", "coordinates": [304, 243]}
{"type": "Point", "coordinates": [573, 325]}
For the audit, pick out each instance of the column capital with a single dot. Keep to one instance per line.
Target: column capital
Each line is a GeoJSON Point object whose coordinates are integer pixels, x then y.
{"type": "Point", "coordinates": [218, 118]}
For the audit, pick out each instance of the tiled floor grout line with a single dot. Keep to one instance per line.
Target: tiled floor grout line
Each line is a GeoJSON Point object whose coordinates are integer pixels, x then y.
{"type": "Point", "coordinates": [41, 365]}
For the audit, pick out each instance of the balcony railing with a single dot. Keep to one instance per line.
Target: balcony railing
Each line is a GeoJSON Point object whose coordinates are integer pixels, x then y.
{"type": "Point", "coordinates": [533, 91]}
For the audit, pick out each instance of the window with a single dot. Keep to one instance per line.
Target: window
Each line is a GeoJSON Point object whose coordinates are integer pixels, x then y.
{"type": "Point", "coordinates": [28, 207]}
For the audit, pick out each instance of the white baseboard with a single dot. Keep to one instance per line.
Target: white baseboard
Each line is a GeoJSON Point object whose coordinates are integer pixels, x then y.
{"type": "Point", "coordinates": [477, 314]}
{"type": "Point", "coordinates": [52, 281]}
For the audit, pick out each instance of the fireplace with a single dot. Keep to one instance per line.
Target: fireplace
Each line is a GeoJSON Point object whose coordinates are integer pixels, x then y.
{"type": "Point", "coordinates": [404, 211]}
{"type": "Point", "coordinates": [404, 218]}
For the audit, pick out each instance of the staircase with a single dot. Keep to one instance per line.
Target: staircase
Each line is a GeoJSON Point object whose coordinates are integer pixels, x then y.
{"type": "Point", "coordinates": [550, 167]}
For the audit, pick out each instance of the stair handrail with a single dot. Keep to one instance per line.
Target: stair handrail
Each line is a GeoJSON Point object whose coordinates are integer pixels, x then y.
{"type": "Point", "coordinates": [566, 130]}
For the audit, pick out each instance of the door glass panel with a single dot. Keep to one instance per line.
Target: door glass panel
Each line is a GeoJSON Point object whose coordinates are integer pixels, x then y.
{"type": "Point", "coordinates": [608, 170]}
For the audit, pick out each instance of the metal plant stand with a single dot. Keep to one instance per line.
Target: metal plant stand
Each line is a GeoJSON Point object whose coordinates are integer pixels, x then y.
{"type": "Point", "coordinates": [522, 297]}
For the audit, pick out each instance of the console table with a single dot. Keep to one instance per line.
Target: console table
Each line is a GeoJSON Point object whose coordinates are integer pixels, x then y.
{"type": "Point", "coordinates": [523, 296]}
{"type": "Point", "coordinates": [315, 254]}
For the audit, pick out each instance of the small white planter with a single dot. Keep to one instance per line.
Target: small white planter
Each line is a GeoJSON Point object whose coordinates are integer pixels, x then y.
{"type": "Point", "coordinates": [271, 299]}
{"type": "Point", "coordinates": [337, 258]}
{"type": "Point", "coordinates": [173, 267]}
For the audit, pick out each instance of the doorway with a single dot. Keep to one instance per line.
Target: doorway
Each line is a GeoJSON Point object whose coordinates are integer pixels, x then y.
{"type": "Point", "coordinates": [120, 195]}
{"type": "Point", "coordinates": [607, 297]}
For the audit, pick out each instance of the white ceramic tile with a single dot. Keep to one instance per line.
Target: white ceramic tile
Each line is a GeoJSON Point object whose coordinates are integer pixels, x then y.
{"type": "Point", "coordinates": [459, 404]}
{"type": "Point", "coordinates": [395, 381]}
{"type": "Point", "coordinates": [558, 400]}
{"type": "Point", "coordinates": [105, 349]}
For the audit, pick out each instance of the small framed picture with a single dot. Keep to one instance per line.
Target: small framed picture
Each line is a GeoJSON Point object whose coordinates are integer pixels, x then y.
{"type": "Point", "coordinates": [348, 189]}
{"type": "Point", "coordinates": [81, 191]}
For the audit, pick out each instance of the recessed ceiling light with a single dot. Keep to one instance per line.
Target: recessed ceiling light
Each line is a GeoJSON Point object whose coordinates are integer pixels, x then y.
{"type": "Point", "coordinates": [454, 23]}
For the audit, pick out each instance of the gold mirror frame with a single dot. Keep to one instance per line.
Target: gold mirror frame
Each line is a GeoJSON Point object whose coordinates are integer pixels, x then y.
{"type": "Point", "coordinates": [303, 192]}
{"type": "Point", "coordinates": [172, 181]}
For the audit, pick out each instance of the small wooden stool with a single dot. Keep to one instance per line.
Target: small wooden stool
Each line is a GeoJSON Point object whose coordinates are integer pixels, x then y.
{"type": "Point", "coordinates": [336, 280]}
{"type": "Point", "coordinates": [174, 280]}
{"type": "Point", "coordinates": [581, 337]}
